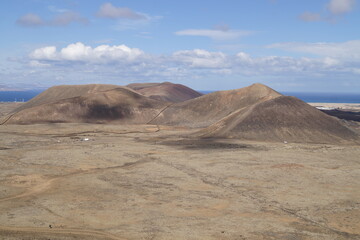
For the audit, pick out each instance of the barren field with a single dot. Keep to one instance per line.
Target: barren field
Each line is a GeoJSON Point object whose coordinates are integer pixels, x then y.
{"type": "Point", "coordinates": [147, 182]}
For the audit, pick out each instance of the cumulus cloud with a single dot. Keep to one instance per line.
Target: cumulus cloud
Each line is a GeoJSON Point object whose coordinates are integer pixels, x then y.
{"type": "Point", "coordinates": [107, 10]}
{"type": "Point", "coordinates": [245, 64]}
{"type": "Point", "coordinates": [335, 9]}
{"type": "Point", "coordinates": [110, 62]}
{"type": "Point", "coordinates": [199, 58]}
{"type": "Point", "coordinates": [273, 65]}
{"type": "Point", "coordinates": [45, 53]}
{"type": "Point", "coordinates": [310, 17]}
{"type": "Point", "coordinates": [30, 20]}
{"type": "Point", "coordinates": [35, 63]}
{"type": "Point", "coordinates": [348, 51]}
{"type": "Point", "coordinates": [79, 52]}
{"type": "Point", "coordinates": [62, 19]}
{"type": "Point", "coordinates": [66, 18]}
{"type": "Point", "coordinates": [338, 7]}
{"type": "Point", "coordinates": [215, 34]}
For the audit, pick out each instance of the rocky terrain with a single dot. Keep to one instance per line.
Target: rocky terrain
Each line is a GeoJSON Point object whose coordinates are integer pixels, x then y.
{"type": "Point", "coordinates": [103, 181]}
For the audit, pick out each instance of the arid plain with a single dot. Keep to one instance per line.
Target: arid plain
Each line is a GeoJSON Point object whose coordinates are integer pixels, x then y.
{"type": "Point", "coordinates": [151, 181]}
{"type": "Point", "coordinates": [148, 182]}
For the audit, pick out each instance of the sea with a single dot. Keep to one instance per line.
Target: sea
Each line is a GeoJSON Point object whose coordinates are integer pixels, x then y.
{"type": "Point", "coordinates": [18, 96]}
{"type": "Point", "coordinates": [24, 96]}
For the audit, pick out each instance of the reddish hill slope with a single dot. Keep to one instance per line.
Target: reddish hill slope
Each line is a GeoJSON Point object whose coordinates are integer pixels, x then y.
{"type": "Point", "coordinates": [210, 108]}
{"type": "Point", "coordinates": [281, 119]}
{"type": "Point", "coordinates": [119, 105]}
{"type": "Point", "coordinates": [165, 91]}
{"type": "Point", "coordinates": [61, 92]}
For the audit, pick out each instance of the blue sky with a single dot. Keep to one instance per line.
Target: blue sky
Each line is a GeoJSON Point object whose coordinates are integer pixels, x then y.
{"type": "Point", "coordinates": [290, 45]}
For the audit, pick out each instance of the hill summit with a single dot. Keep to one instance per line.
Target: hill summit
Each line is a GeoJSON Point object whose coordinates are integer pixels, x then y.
{"type": "Point", "coordinates": [209, 108]}
{"type": "Point", "coordinates": [165, 91]}
{"type": "Point", "coordinates": [280, 119]}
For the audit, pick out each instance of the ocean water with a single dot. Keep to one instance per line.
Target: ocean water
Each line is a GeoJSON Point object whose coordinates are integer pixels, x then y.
{"type": "Point", "coordinates": [326, 97]}
{"type": "Point", "coordinates": [320, 97]}
{"type": "Point", "coordinates": [20, 96]}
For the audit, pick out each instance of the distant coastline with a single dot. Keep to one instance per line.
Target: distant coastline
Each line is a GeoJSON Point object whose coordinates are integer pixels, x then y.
{"type": "Point", "coordinates": [20, 96]}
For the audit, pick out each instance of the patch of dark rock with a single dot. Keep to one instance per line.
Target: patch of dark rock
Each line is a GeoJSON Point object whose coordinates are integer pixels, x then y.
{"type": "Point", "coordinates": [342, 114]}
{"type": "Point", "coordinates": [198, 144]}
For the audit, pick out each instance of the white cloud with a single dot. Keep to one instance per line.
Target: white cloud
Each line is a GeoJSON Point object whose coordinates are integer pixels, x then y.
{"type": "Point", "coordinates": [347, 51]}
{"type": "Point", "coordinates": [48, 53]}
{"type": "Point", "coordinates": [338, 7]}
{"type": "Point", "coordinates": [126, 17]}
{"type": "Point", "coordinates": [243, 57]}
{"type": "Point", "coordinates": [62, 19]}
{"type": "Point", "coordinates": [75, 52]}
{"type": "Point", "coordinates": [335, 9]}
{"type": "Point", "coordinates": [35, 63]}
{"type": "Point", "coordinates": [78, 61]}
{"type": "Point", "coordinates": [66, 18]}
{"type": "Point", "coordinates": [107, 10]}
{"type": "Point", "coordinates": [310, 17]}
{"type": "Point", "coordinates": [78, 52]}
{"type": "Point", "coordinates": [199, 58]}
{"type": "Point", "coordinates": [30, 20]}
{"type": "Point", "coordinates": [273, 65]}
{"type": "Point", "coordinates": [216, 34]}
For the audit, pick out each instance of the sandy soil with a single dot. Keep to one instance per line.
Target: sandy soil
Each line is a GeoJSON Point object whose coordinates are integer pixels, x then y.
{"type": "Point", "coordinates": [92, 181]}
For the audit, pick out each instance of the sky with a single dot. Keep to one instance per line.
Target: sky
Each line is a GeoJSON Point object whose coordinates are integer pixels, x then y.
{"type": "Point", "coordinates": [289, 45]}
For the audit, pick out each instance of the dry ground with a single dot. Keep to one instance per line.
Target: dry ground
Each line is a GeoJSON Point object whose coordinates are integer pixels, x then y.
{"type": "Point", "coordinates": [147, 182]}
{"type": "Point", "coordinates": [7, 107]}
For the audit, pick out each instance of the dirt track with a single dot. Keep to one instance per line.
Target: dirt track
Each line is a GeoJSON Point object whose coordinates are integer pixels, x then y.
{"type": "Point", "coordinates": [63, 233]}
{"type": "Point", "coordinates": [148, 182]}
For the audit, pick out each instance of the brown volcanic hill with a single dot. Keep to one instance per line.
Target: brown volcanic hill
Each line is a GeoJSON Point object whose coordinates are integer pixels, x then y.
{"type": "Point", "coordinates": [281, 119]}
{"type": "Point", "coordinates": [210, 108]}
{"type": "Point", "coordinates": [137, 86]}
{"type": "Point", "coordinates": [119, 105]}
{"type": "Point", "coordinates": [61, 92]}
{"type": "Point", "coordinates": [165, 91]}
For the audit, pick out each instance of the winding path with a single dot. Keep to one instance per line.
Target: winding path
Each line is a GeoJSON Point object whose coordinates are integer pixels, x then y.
{"type": "Point", "coordinates": [79, 233]}
{"type": "Point", "coordinates": [44, 186]}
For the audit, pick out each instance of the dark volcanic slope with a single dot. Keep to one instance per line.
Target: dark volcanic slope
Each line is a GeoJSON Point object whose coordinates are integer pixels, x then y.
{"type": "Point", "coordinates": [343, 114]}
{"type": "Point", "coordinates": [165, 91]}
{"type": "Point", "coordinates": [210, 108]}
{"type": "Point", "coordinates": [281, 119]}
{"type": "Point", "coordinates": [119, 105]}
{"type": "Point", "coordinates": [61, 92]}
